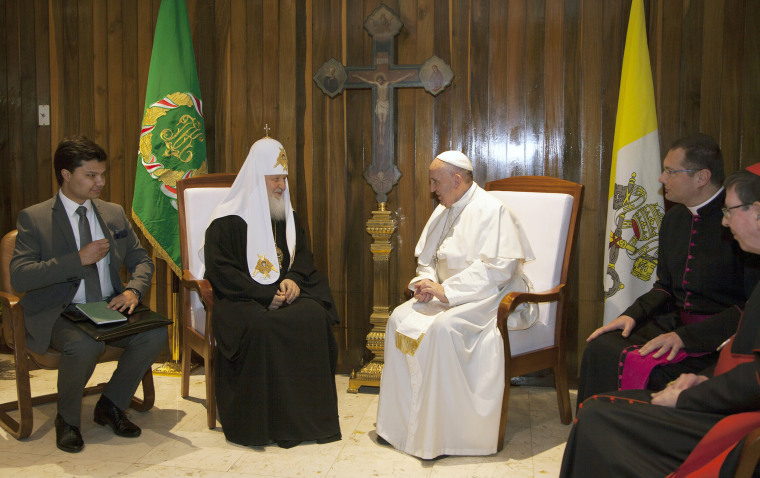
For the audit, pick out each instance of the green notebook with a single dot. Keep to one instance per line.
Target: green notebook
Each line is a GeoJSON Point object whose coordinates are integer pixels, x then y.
{"type": "Point", "coordinates": [100, 314]}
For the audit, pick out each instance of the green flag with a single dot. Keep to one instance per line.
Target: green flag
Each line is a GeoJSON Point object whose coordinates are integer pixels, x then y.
{"type": "Point", "coordinates": [172, 138]}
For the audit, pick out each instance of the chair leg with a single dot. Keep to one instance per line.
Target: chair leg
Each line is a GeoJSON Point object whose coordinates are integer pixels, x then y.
{"type": "Point", "coordinates": [186, 358]}
{"type": "Point", "coordinates": [210, 391]}
{"type": "Point", "coordinates": [563, 393]}
{"type": "Point", "coordinates": [149, 394]}
{"type": "Point", "coordinates": [503, 419]}
{"type": "Point", "coordinates": [23, 427]}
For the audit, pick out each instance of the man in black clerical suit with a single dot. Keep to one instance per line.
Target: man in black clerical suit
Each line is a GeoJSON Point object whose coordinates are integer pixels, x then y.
{"type": "Point", "coordinates": [273, 313]}
{"type": "Point", "coordinates": [703, 281]}
{"type": "Point", "coordinates": [69, 250]}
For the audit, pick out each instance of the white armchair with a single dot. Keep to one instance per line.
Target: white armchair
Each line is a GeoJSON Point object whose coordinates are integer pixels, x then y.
{"type": "Point", "coordinates": [549, 210]}
{"type": "Point", "coordinates": [197, 198]}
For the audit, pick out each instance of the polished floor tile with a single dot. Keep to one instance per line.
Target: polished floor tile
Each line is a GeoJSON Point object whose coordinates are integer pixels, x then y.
{"type": "Point", "coordinates": [176, 441]}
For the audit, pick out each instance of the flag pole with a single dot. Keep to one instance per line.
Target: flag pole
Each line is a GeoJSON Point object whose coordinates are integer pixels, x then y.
{"type": "Point", "coordinates": [173, 368]}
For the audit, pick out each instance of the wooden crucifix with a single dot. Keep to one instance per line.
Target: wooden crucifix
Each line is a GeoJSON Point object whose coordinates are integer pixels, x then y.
{"type": "Point", "coordinates": [384, 76]}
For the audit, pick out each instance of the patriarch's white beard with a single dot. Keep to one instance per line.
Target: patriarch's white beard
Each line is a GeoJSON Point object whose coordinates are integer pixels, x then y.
{"type": "Point", "coordinates": [277, 208]}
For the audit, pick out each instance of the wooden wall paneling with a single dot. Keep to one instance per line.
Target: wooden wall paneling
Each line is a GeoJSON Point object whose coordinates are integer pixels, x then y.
{"type": "Point", "coordinates": [222, 93]}
{"type": "Point", "coordinates": [144, 49]}
{"type": "Point", "coordinates": [517, 163]}
{"type": "Point", "coordinates": [133, 107]}
{"type": "Point", "coordinates": [535, 87]}
{"type": "Point", "coordinates": [750, 141]}
{"type": "Point", "coordinates": [10, 138]}
{"type": "Point", "coordinates": [554, 87]}
{"type": "Point", "coordinates": [357, 111]}
{"type": "Point", "coordinates": [28, 97]}
{"type": "Point", "coordinates": [304, 90]}
{"type": "Point", "coordinates": [691, 66]}
{"type": "Point", "coordinates": [86, 97]}
{"type": "Point", "coordinates": [352, 107]}
{"type": "Point", "coordinates": [99, 101]}
{"type": "Point", "coordinates": [261, 81]}
{"type": "Point", "coordinates": [245, 87]}
{"type": "Point", "coordinates": [287, 92]}
{"type": "Point", "coordinates": [44, 173]}
{"type": "Point", "coordinates": [7, 192]}
{"type": "Point", "coordinates": [498, 87]}
{"type": "Point", "coordinates": [731, 67]}
{"type": "Point", "coordinates": [460, 120]}
{"type": "Point", "coordinates": [667, 71]}
{"type": "Point", "coordinates": [406, 109]}
{"type": "Point", "coordinates": [116, 102]}
{"type": "Point", "coordinates": [269, 73]}
{"type": "Point", "coordinates": [443, 139]}
{"type": "Point", "coordinates": [70, 68]}
{"type": "Point", "coordinates": [55, 10]}
{"type": "Point", "coordinates": [326, 44]}
{"type": "Point", "coordinates": [203, 37]}
{"type": "Point", "coordinates": [333, 177]}
{"type": "Point", "coordinates": [413, 212]}
{"type": "Point", "coordinates": [478, 90]}
{"type": "Point", "coordinates": [712, 52]}
{"type": "Point", "coordinates": [592, 228]}
{"type": "Point", "coordinates": [615, 21]}
{"type": "Point", "coordinates": [571, 166]}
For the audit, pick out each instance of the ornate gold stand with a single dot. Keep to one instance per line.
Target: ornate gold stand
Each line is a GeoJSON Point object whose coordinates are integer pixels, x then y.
{"type": "Point", "coordinates": [174, 367]}
{"type": "Point", "coordinates": [381, 227]}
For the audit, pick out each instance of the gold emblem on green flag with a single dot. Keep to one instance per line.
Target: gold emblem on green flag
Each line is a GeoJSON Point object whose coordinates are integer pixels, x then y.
{"type": "Point", "coordinates": [181, 133]}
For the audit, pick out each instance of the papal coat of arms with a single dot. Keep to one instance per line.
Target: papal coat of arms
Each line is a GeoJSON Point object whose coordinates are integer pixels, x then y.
{"type": "Point", "coordinates": [637, 227]}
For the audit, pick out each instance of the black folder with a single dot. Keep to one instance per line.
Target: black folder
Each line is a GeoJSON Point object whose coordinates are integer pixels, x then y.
{"type": "Point", "coordinates": [140, 320]}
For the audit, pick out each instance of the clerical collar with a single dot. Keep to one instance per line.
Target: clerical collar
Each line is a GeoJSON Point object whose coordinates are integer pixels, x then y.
{"type": "Point", "coordinates": [465, 199]}
{"type": "Point", "coordinates": [695, 209]}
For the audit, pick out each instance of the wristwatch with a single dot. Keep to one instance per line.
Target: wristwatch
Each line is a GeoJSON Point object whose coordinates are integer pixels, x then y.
{"type": "Point", "coordinates": [136, 292]}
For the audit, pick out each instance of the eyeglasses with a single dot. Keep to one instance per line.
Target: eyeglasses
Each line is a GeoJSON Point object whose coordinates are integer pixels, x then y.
{"type": "Point", "coordinates": [671, 172]}
{"type": "Point", "coordinates": [727, 210]}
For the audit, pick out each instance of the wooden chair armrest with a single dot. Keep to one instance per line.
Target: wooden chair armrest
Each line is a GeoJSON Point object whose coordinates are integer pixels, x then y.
{"type": "Point", "coordinates": [13, 321]}
{"type": "Point", "coordinates": [201, 286]}
{"type": "Point", "coordinates": [510, 302]}
{"type": "Point", "coordinates": [749, 456]}
{"type": "Point", "coordinates": [8, 301]}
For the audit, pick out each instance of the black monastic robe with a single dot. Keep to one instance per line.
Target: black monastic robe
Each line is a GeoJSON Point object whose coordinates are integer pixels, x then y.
{"type": "Point", "coordinates": [622, 434]}
{"type": "Point", "coordinates": [275, 369]}
{"type": "Point", "coordinates": [700, 271]}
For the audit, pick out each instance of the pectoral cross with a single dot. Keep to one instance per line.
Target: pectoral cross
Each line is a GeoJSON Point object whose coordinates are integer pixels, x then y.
{"type": "Point", "coordinates": [383, 78]}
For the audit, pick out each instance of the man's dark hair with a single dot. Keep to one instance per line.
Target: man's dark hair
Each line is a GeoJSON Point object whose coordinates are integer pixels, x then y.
{"type": "Point", "coordinates": [745, 184]}
{"type": "Point", "coordinates": [702, 152]}
{"type": "Point", "coordinates": [72, 151]}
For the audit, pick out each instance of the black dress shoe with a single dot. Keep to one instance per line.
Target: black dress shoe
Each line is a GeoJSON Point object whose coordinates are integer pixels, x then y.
{"type": "Point", "coordinates": [67, 438]}
{"type": "Point", "coordinates": [106, 413]}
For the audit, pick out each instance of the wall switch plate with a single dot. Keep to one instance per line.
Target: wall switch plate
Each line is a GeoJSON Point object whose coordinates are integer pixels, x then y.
{"type": "Point", "coordinates": [43, 115]}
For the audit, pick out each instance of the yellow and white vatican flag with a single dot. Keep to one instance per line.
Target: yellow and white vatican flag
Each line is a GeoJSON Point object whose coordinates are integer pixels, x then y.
{"type": "Point", "coordinates": [635, 202]}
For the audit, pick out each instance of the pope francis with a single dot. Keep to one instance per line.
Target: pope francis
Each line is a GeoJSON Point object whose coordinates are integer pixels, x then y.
{"type": "Point", "coordinates": [443, 378]}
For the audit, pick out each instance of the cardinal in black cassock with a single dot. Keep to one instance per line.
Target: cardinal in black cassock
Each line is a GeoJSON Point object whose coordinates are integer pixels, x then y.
{"type": "Point", "coordinates": [273, 313]}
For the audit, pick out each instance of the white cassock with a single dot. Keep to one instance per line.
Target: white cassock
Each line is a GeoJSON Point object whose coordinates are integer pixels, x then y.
{"type": "Point", "coordinates": [443, 378]}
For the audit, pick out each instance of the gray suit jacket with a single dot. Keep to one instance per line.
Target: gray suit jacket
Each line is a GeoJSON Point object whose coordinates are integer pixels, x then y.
{"type": "Point", "coordinates": [46, 264]}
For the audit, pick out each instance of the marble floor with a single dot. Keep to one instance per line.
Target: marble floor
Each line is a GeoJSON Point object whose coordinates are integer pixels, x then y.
{"type": "Point", "coordinates": [176, 442]}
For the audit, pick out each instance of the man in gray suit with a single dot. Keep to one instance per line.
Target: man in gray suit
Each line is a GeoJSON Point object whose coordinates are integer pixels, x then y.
{"type": "Point", "coordinates": [69, 250]}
